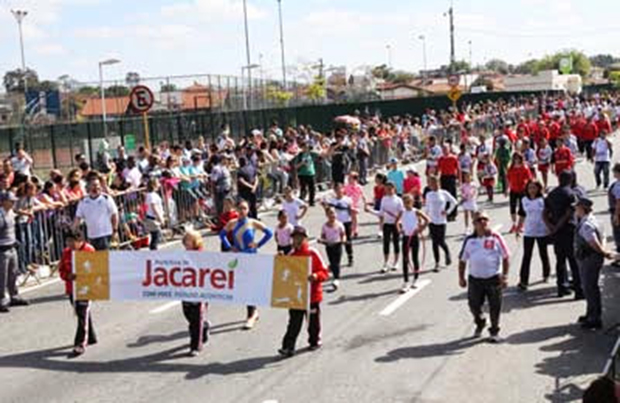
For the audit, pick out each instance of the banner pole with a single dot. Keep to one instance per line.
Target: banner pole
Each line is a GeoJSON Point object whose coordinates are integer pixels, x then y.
{"type": "Point", "coordinates": [145, 123]}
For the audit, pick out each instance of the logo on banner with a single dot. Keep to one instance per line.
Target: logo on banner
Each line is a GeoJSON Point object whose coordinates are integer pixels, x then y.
{"type": "Point", "coordinates": [94, 276]}
{"type": "Point", "coordinates": [290, 279]}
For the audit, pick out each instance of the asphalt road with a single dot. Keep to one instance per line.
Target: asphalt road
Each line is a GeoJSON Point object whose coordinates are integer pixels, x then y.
{"type": "Point", "coordinates": [378, 346]}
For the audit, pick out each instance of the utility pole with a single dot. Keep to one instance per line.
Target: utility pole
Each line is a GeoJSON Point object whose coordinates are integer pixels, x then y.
{"type": "Point", "coordinates": [471, 60]}
{"type": "Point", "coordinates": [19, 17]}
{"type": "Point", "coordinates": [321, 66]}
{"type": "Point", "coordinates": [452, 51]}
{"type": "Point", "coordinates": [247, 46]}
{"type": "Point", "coordinates": [389, 55]}
{"type": "Point", "coordinates": [282, 44]}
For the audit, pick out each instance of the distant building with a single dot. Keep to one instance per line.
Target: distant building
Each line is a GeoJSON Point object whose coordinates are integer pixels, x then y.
{"type": "Point", "coordinates": [547, 80]}
{"type": "Point", "coordinates": [401, 91]}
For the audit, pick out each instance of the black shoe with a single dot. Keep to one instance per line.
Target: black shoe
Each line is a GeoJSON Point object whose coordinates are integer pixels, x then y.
{"type": "Point", "coordinates": [4, 309]}
{"type": "Point", "coordinates": [350, 262]}
{"type": "Point", "coordinates": [562, 292]}
{"type": "Point", "coordinates": [448, 262]}
{"type": "Point", "coordinates": [480, 328]}
{"type": "Point", "coordinates": [206, 333]}
{"type": "Point", "coordinates": [579, 296]}
{"type": "Point", "coordinates": [76, 352]}
{"type": "Point", "coordinates": [616, 264]}
{"type": "Point", "coordinates": [592, 325]}
{"type": "Point", "coordinates": [286, 353]}
{"type": "Point", "coordinates": [521, 287]}
{"type": "Point", "coordinates": [19, 302]}
{"type": "Point", "coordinates": [314, 347]}
{"type": "Point", "coordinates": [582, 319]}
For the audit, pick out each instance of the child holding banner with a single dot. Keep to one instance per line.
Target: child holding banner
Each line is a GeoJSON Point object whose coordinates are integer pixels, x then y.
{"type": "Point", "coordinates": [85, 332]}
{"type": "Point", "coordinates": [195, 312]}
{"type": "Point", "coordinates": [296, 316]}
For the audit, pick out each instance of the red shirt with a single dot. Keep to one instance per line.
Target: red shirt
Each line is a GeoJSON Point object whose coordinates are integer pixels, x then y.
{"type": "Point", "coordinates": [379, 192]}
{"type": "Point", "coordinates": [65, 268]}
{"type": "Point", "coordinates": [511, 135]}
{"type": "Point", "coordinates": [590, 131]}
{"type": "Point", "coordinates": [518, 178]}
{"type": "Point", "coordinates": [563, 159]}
{"type": "Point", "coordinates": [448, 165]}
{"type": "Point", "coordinates": [413, 185]}
{"type": "Point", "coordinates": [319, 269]}
{"type": "Point", "coordinates": [555, 130]}
{"type": "Point", "coordinates": [524, 128]}
{"type": "Point", "coordinates": [603, 125]}
{"type": "Point", "coordinates": [577, 127]}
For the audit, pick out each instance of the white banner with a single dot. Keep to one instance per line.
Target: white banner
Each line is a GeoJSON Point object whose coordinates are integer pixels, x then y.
{"type": "Point", "coordinates": [228, 278]}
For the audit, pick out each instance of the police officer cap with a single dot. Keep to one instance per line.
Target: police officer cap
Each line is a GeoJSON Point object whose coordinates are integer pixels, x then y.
{"type": "Point", "coordinates": [584, 202]}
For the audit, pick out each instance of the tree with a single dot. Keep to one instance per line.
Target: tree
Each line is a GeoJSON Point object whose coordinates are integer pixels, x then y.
{"type": "Point", "coordinates": [88, 90]}
{"type": "Point", "coordinates": [117, 91]}
{"type": "Point", "coordinates": [400, 77]}
{"type": "Point", "coordinates": [168, 88]}
{"type": "Point", "coordinates": [316, 91]}
{"type": "Point", "coordinates": [614, 78]}
{"type": "Point", "coordinates": [527, 67]}
{"type": "Point", "coordinates": [381, 72]}
{"type": "Point", "coordinates": [278, 96]}
{"type": "Point", "coordinates": [46, 86]}
{"type": "Point", "coordinates": [14, 80]}
{"type": "Point", "coordinates": [484, 82]}
{"type": "Point", "coordinates": [603, 61]}
{"type": "Point", "coordinates": [132, 79]}
{"type": "Point", "coordinates": [461, 65]}
{"type": "Point", "coordinates": [581, 63]}
{"type": "Point", "coordinates": [497, 66]}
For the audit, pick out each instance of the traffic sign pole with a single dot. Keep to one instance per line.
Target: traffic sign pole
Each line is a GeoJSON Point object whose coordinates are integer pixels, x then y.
{"type": "Point", "coordinates": [147, 136]}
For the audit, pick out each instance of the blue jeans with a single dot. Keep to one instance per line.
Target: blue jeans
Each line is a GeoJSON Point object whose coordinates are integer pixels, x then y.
{"type": "Point", "coordinates": [25, 249]}
{"type": "Point", "coordinates": [601, 167]}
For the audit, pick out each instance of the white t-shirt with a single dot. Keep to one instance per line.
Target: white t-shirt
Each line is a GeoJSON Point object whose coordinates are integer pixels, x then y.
{"type": "Point", "coordinates": [409, 221]}
{"type": "Point", "coordinates": [152, 198]}
{"type": "Point", "coordinates": [534, 225]}
{"type": "Point", "coordinates": [484, 254]}
{"type": "Point", "coordinates": [391, 207]}
{"type": "Point", "coordinates": [97, 213]}
{"type": "Point", "coordinates": [601, 150]}
{"type": "Point", "coordinates": [342, 207]}
{"type": "Point", "coordinates": [22, 166]}
{"type": "Point", "coordinates": [284, 235]}
{"type": "Point", "coordinates": [437, 203]}
{"type": "Point", "coordinates": [134, 177]}
{"type": "Point", "coordinates": [292, 209]}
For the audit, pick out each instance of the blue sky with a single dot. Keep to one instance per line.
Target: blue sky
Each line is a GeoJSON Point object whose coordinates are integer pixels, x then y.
{"type": "Point", "coordinates": [172, 37]}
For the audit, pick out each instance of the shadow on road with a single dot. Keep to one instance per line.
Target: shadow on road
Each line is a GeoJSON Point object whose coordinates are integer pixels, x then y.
{"type": "Point", "coordinates": [454, 347]}
{"type": "Point", "coordinates": [54, 359]}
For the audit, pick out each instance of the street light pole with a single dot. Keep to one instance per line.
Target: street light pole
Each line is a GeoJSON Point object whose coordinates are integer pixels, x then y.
{"type": "Point", "coordinates": [423, 39]}
{"type": "Point", "coordinates": [247, 46]}
{"type": "Point", "coordinates": [389, 55]}
{"type": "Point", "coordinates": [282, 44]}
{"type": "Point", "coordinates": [249, 68]}
{"type": "Point", "coordinates": [471, 61]}
{"type": "Point", "coordinates": [102, 89]}
{"type": "Point", "coordinates": [19, 17]}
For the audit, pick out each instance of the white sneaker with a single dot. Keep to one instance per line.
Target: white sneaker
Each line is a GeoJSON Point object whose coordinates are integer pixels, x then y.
{"type": "Point", "coordinates": [336, 284]}
{"type": "Point", "coordinates": [385, 269]}
{"type": "Point", "coordinates": [379, 234]}
{"type": "Point", "coordinates": [394, 267]}
{"type": "Point", "coordinates": [405, 288]}
{"type": "Point", "coordinates": [495, 339]}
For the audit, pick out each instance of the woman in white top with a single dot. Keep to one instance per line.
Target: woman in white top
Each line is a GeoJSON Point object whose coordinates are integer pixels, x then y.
{"type": "Point", "coordinates": [602, 150]}
{"type": "Point", "coordinates": [154, 213]}
{"type": "Point", "coordinates": [535, 231]}
{"type": "Point", "coordinates": [412, 223]}
{"type": "Point", "coordinates": [439, 204]}
{"type": "Point", "coordinates": [333, 235]}
{"type": "Point", "coordinates": [343, 206]}
{"type": "Point", "coordinates": [389, 214]}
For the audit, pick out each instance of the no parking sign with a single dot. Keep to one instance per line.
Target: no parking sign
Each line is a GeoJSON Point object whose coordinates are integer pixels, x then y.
{"type": "Point", "coordinates": [141, 99]}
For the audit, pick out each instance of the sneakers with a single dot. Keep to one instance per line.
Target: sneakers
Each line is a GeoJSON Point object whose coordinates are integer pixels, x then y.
{"type": "Point", "coordinates": [379, 235]}
{"type": "Point", "coordinates": [336, 284]}
{"type": "Point", "coordinates": [77, 351]}
{"type": "Point", "coordinates": [405, 288]}
{"type": "Point", "coordinates": [394, 267]}
{"type": "Point", "coordinates": [436, 269]}
{"type": "Point", "coordinates": [193, 353]}
{"type": "Point", "coordinates": [596, 325]}
{"type": "Point", "coordinates": [385, 269]}
{"type": "Point", "coordinates": [513, 229]}
{"type": "Point", "coordinates": [495, 339]}
{"type": "Point", "coordinates": [4, 309]}
{"type": "Point", "coordinates": [480, 328]}
{"type": "Point", "coordinates": [286, 353]}
{"type": "Point", "coordinates": [582, 319]}
{"type": "Point", "coordinates": [521, 287]}
{"type": "Point", "coordinates": [314, 347]}
{"type": "Point", "coordinates": [206, 333]}
{"type": "Point", "coordinates": [251, 322]}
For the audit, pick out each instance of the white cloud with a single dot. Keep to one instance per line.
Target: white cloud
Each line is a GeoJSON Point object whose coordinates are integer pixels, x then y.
{"type": "Point", "coordinates": [50, 49]}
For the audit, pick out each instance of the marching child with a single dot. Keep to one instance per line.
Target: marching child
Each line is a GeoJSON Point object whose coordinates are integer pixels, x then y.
{"type": "Point", "coordinates": [284, 230]}
{"type": "Point", "coordinates": [412, 224]}
{"type": "Point", "coordinates": [301, 247]}
{"type": "Point", "coordinates": [379, 192]}
{"type": "Point", "coordinates": [356, 193]}
{"type": "Point", "coordinates": [333, 236]}
{"type": "Point", "coordinates": [85, 332]}
{"type": "Point", "coordinates": [544, 160]}
{"type": "Point", "coordinates": [488, 177]}
{"type": "Point", "coordinates": [469, 192]}
{"type": "Point", "coordinates": [195, 312]}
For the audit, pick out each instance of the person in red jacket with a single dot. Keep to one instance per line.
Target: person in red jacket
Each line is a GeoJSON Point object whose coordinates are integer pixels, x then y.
{"type": "Point", "coordinates": [603, 124]}
{"type": "Point", "coordinates": [449, 174]}
{"type": "Point", "coordinates": [563, 158]}
{"type": "Point", "coordinates": [296, 316]}
{"type": "Point", "coordinates": [555, 130]}
{"type": "Point", "coordinates": [518, 176]}
{"type": "Point", "coordinates": [589, 134]}
{"type": "Point", "coordinates": [85, 332]}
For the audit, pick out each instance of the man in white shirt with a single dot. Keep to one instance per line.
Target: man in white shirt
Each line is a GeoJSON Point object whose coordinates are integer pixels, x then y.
{"type": "Point", "coordinates": [489, 260]}
{"type": "Point", "coordinates": [22, 162]}
{"type": "Point", "coordinates": [602, 150]}
{"type": "Point", "coordinates": [100, 214]}
{"type": "Point", "coordinates": [439, 204]}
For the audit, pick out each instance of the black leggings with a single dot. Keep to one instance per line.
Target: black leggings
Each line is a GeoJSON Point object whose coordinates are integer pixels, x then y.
{"type": "Point", "coordinates": [516, 203]}
{"type": "Point", "coordinates": [528, 248]}
{"type": "Point", "coordinates": [411, 248]}
{"type": "Point", "coordinates": [438, 239]}
{"type": "Point", "coordinates": [334, 255]}
{"type": "Point", "coordinates": [390, 234]}
{"type": "Point", "coordinates": [348, 246]}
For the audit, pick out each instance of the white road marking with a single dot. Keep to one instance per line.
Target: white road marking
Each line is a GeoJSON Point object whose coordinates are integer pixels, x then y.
{"type": "Point", "coordinates": [165, 307]}
{"type": "Point", "coordinates": [612, 357]}
{"type": "Point", "coordinates": [38, 287]}
{"type": "Point", "coordinates": [400, 301]}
